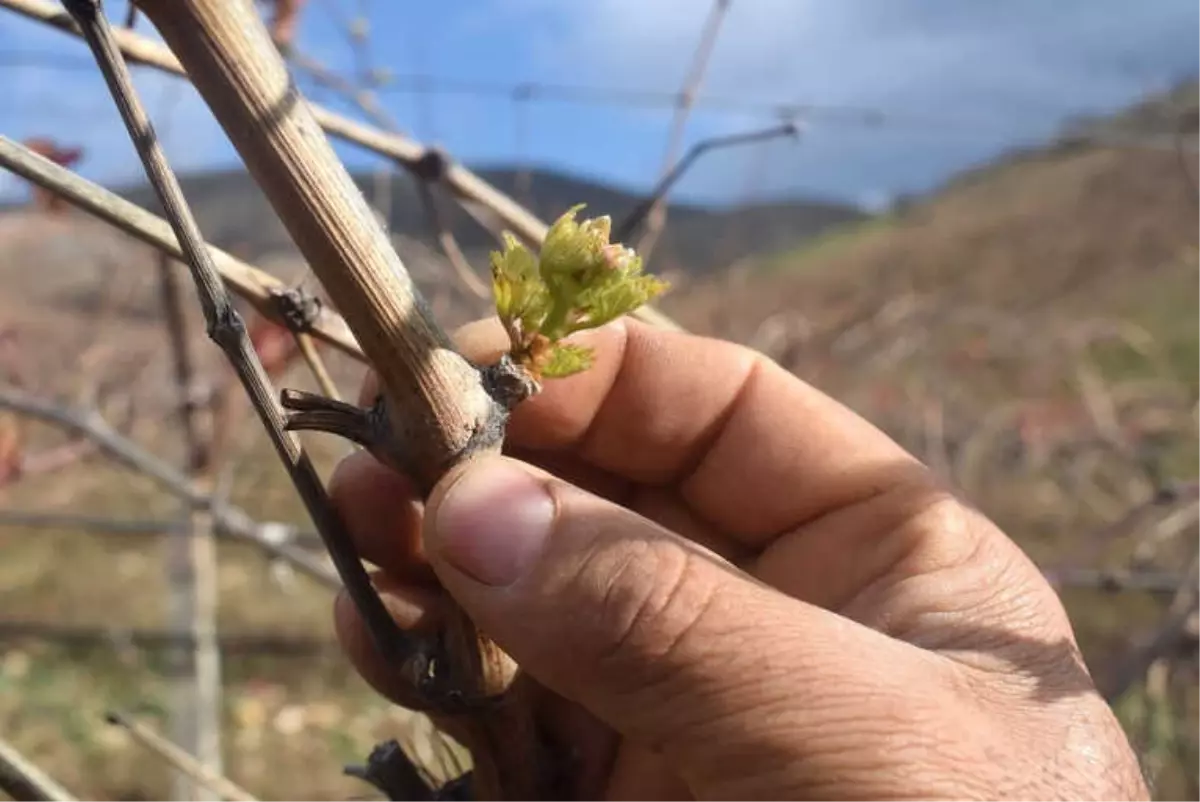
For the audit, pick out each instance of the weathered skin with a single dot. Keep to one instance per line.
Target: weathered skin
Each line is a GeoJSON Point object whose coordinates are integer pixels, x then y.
{"type": "Point", "coordinates": [730, 586]}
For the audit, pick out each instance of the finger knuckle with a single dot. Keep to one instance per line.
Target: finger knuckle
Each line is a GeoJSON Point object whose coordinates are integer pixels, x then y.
{"type": "Point", "coordinates": [938, 532]}
{"type": "Point", "coordinates": [652, 599]}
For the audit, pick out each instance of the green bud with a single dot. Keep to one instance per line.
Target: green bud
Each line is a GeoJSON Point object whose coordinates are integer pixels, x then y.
{"type": "Point", "coordinates": [579, 281]}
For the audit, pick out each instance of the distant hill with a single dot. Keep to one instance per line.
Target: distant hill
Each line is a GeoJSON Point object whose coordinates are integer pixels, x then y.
{"type": "Point", "coordinates": [1091, 223]}
{"type": "Point", "coordinates": [1167, 113]}
{"type": "Point", "coordinates": [1162, 121]}
{"type": "Point", "coordinates": [233, 213]}
{"type": "Point", "coordinates": [1043, 281]}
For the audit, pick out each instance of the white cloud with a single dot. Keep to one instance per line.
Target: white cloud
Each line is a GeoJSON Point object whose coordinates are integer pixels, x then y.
{"type": "Point", "coordinates": [959, 80]}
{"type": "Point", "coordinates": [648, 43]}
{"type": "Point", "coordinates": [859, 51]}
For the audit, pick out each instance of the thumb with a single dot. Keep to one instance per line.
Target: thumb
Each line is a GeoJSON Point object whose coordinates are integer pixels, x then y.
{"type": "Point", "coordinates": [662, 640]}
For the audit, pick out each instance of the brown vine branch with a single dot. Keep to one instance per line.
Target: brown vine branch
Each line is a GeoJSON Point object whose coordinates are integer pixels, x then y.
{"type": "Point", "coordinates": [180, 759]}
{"type": "Point", "coordinates": [624, 230]}
{"type": "Point", "coordinates": [448, 243]}
{"type": "Point", "coordinates": [358, 36]}
{"type": "Point", "coordinates": [89, 423]}
{"type": "Point", "coordinates": [21, 780]}
{"type": "Point", "coordinates": [465, 185]}
{"type": "Point", "coordinates": [434, 409]}
{"type": "Point", "coordinates": [367, 102]}
{"type": "Point", "coordinates": [299, 312]}
{"type": "Point", "coordinates": [256, 286]}
{"type": "Point", "coordinates": [462, 182]}
{"type": "Point", "coordinates": [227, 330]}
{"type": "Point", "coordinates": [425, 172]}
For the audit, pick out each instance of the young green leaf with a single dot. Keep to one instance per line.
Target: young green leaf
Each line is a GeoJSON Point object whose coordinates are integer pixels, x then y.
{"type": "Point", "coordinates": [518, 290]}
{"type": "Point", "coordinates": [579, 281]}
{"type": "Point", "coordinates": [566, 359]}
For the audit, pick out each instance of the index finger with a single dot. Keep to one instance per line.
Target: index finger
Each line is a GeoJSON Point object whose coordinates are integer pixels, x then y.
{"type": "Point", "coordinates": [751, 448]}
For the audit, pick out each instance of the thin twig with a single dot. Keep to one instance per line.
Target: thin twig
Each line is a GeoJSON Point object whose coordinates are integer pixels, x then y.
{"type": "Point", "coordinates": [308, 351]}
{"type": "Point", "coordinates": [465, 185]}
{"type": "Point", "coordinates": [449, 244]}
{"type": "Point", "coordinates": [22, 780]}
{"type": "Point", "coordinates": [300, 310]}
{"type": "Point", "coordinates": [180, 759]}
{"type": "Point", "coordinates": [242, 78]}
{"type": "Point", "coordinates": [256, 286]}
{"type": "Point", "coordinates": [657, 215]}
{"type": "Point", "coordinates": [226, 329]}
{"type": "Point", "coordinates": [435, 409]}
{"type": "Point", "coordinates": [624, 230]}
{"type": "Point", "coordinates": [147, 52]}
{"type": "Point", "coordinates": [88, 423]}
{"type": "Point", "coordinates": [364, 99]}
{"type": "Point", "coordinates": [301, 175]}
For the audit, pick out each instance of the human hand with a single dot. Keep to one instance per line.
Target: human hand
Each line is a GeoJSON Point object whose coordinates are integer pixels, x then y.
{"type": "Point", "coordinates": [734, 587]}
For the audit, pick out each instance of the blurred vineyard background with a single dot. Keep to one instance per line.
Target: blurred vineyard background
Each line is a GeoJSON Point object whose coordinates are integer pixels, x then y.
{"type": "Point", "coordinates": [1027, 325]}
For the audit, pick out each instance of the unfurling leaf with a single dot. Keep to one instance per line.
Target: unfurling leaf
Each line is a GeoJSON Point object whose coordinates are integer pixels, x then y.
{"type": "Point", "coordinates": [565, 359]}
{"type": "Point", "coordinates": [579, 281]}
{"type": "Point", "coordinates": [515, 281]}
{"type": "Point", "coordinates": [607, 301]}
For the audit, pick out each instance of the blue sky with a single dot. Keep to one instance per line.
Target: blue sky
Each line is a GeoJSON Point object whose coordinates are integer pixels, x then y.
{"type": "Point", "coordinates": [956, 82]}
